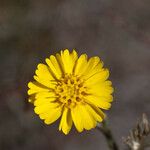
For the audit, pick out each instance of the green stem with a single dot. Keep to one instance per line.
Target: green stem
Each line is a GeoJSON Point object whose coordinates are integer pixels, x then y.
{"type": "Point", "coordinates": [108, 136]}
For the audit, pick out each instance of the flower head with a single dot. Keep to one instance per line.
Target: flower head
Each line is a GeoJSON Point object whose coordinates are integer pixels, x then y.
{"type": "Point", "coordinates": [73, 88]}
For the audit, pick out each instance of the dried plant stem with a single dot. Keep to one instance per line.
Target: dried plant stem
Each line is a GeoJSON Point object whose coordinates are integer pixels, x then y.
{"type": "Point", "coordinates": [139, 137]}
{"type": "Point", "coordinates": [108, 135]}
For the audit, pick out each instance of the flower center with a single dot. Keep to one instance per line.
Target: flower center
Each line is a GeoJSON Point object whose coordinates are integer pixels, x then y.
{"type": "Point", "coordinates": [70, 90]}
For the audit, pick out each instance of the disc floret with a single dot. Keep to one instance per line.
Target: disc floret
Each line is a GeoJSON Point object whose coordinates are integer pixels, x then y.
{"type": "Point", "coordinates": [70, 90]}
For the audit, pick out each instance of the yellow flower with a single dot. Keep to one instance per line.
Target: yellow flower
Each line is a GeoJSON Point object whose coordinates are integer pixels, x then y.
{"type": "Point", "coordinates": [75, 89]}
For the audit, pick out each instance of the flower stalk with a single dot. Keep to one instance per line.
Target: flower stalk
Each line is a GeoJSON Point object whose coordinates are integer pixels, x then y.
{"type": "Point", "coordinates": [105, 130]}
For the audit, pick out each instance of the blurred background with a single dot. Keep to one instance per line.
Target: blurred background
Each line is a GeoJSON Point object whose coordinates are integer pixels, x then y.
{"type": "Point", "coordinates": [116, 30]}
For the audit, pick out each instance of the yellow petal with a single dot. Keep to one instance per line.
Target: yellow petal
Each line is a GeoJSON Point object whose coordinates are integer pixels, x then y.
{"type": "Point", "coordinates": [68, 60]}
{"type": "Point", "coordinates": [59, 59]}
{"type": "Point", "coordinates": [42, 101]}
{"type": "Point", "coordinates": [106, 98]}
{"type": "Point", "coordinates": [101, 103]}
{"type": "Point", "coordinates": [74, 57]}
{"type": "Point", "coordinates": [98, 77]}
{"type": "Point", "coordinates": [43, 72]}
{"type": "Point", "coordinates": [76, 117]}
{"type": "Point", "coordinates": [66, 121]}
{"type": "Point", "coordinates": [45, 108]}
{"type": "Point", "coordinates": [80, 65]}
{"type": "Point", "coordinates": [48, 83]}
{"type": "Point", "coordinates": [52, 69]}
{"type": "Point", "coordinates": [55, 66]}
{"type": "Point", "coordinates": [35, 88]}
{"type": "Point", "coordinates": [94, 66]}
{"type": "Point", "coordinates": [87, 119]}
{"type": "Point", "coordinates": [52, 115]}
{"type": "Point", "coordinates": [92, 62]}
{"type": "Point", "coordinates": [97, 114]}
{"type": "Point", "coordinates": [45, 95]}
{"type": "Point", "coordinates": [44, 76]}
{"type": "Point", "coordinates": [103, 89]}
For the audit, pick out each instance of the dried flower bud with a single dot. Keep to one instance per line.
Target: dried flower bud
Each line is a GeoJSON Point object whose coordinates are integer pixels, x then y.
{"type": "Point", "coordinates": [137, 140]}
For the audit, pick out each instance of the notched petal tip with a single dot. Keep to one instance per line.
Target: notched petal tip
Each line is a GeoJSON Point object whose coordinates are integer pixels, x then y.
{"type": "Point", "coordinates": [47, 60]}
{"type": "Point", "coordinates": [52, 57]}
{"type": "Point", "coordinates": [64, 131]}
{"type": "Point", "coordinates": [74, 50]}
{"type": "Point", "coordinates": [97, 58]}
{"type": "Point", "coordinates": [66, 51]}
{"type": "Point", "coordinates": [40, 65]}
{"type": "Point", "coordinates": [45, 121]}
{"type": "Point", "coordinates": [36, 110]}
{"type": "Point", "coordinates": [29, 92]}
{"type": "Point", "coordinates": [30, 84]}
{"type": "Point", "coordinates": [108, 106]}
